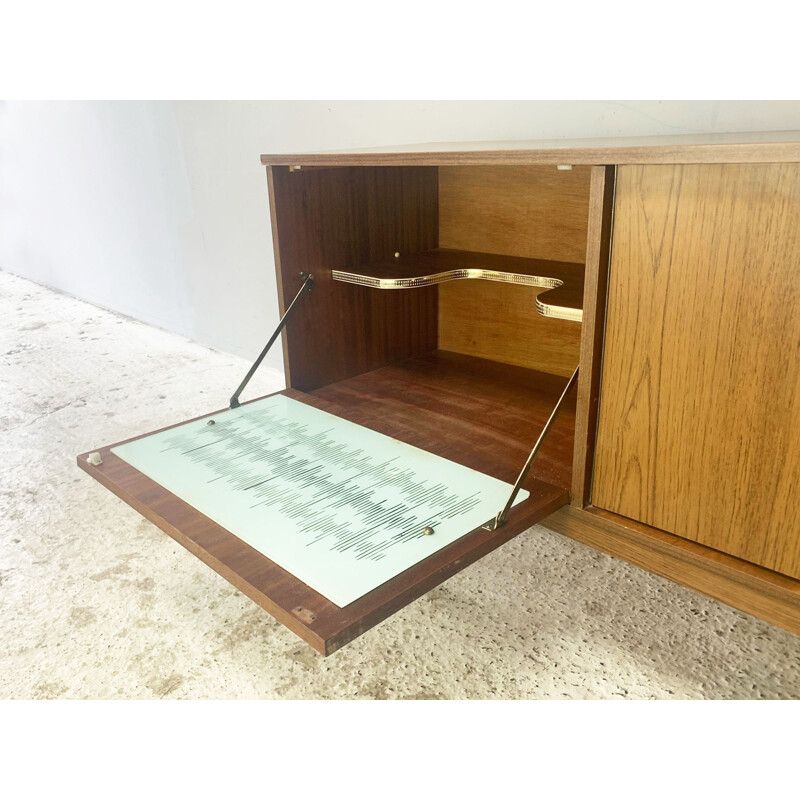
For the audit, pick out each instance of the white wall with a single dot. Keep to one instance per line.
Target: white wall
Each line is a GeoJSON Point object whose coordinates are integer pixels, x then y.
{"type": "Point", "coordinates": [159, 209]}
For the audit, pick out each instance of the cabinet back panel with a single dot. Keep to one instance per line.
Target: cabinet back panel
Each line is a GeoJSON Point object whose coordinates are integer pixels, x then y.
{"type": "Point", "coordinates": [533, 212]}
{"type": "Point", "coordinates": [347, 216]}
{"type": "Point", "coordinates": [700, 399]}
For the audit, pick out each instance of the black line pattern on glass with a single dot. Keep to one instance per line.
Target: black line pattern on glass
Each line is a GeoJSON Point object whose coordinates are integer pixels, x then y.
{"type": "Point", "coordinates": [335, 493]}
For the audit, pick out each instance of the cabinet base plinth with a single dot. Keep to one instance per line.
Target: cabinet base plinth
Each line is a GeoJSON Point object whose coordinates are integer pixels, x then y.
{"type": "Point", "coordinates": [747, 587]}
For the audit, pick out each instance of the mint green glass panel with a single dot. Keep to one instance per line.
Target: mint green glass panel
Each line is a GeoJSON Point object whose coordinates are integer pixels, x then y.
{"type": "Point", "coordinates": [341, 507]}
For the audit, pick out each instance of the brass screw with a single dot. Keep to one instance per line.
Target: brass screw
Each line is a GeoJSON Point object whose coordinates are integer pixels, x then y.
{"type": "Point", "coordinates": [427, 530]}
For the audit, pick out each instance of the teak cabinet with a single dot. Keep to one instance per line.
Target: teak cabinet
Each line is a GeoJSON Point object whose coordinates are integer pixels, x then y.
{"type": "Point", "coordinates": [456, 289]}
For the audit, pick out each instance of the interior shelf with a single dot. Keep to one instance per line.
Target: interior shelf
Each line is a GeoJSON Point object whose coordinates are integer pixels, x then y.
{"type": "Point", "coordinates": [563, 281]}
{"type": "Point", "coordinates": [479, 413]}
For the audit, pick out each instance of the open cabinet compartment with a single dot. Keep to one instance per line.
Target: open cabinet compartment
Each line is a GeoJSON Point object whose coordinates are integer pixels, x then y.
{"type": "Point", "coordinates": [469, 370]}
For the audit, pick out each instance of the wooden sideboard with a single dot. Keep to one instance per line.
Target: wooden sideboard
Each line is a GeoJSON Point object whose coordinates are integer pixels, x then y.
{"type": "Point", "coordinates": [457, 287]}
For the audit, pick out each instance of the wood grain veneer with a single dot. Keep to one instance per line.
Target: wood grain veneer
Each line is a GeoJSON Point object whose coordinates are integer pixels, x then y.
{"type": "Point", "coordinates": [486, 320]}
{"type": "Point", "coordinates": [750, 588]}
{"type": "Point", "coordinates": [698, 431]}
{"type": "Point", "coordinates": [529, 212]}
{"type": "Point", "coordinates": [330, 218]}
{"type": "Point", "coordinates": [490, 414]}
{"type": "Point", "coordinates": [747, 147]}
{"type": "Point", "coordinates": [442, 403]}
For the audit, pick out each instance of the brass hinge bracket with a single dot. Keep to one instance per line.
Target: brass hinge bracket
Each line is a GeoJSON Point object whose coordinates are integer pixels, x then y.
{"type": "Point", "coordinates": [502, 515]}
{"type": "Point", "coordinates": [308, 285]}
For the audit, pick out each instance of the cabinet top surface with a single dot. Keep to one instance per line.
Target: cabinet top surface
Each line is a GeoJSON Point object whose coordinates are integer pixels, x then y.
{"type": "Point", "coordinates": [754, 146]}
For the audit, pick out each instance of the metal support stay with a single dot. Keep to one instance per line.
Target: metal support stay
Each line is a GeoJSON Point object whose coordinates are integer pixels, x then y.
{"type": "Point", "coordinates": [500, 519]}
{"type": "Point", "coordinates": [308, 285]}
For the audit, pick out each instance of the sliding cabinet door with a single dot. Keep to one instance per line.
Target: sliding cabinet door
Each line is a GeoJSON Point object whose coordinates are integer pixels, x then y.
{"type": "Point", "coordinates": [699, 424]}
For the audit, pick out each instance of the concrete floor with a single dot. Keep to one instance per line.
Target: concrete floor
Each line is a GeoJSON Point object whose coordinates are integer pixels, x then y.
{"type": "Point", "coordinates": [95, 602]}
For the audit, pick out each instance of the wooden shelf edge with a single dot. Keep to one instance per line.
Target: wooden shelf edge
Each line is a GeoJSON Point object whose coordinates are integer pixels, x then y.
{"type": "Point", "coordinates": [562, 281]}
{"type": "Point", "coordinates": [744, 586]}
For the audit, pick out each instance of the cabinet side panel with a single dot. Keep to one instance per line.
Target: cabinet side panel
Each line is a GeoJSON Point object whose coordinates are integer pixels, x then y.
{"type": "Point", "coordinates": [533, 212]}
{"type": "Point", "coordinates": [344, 217]}
{"type": "Point", "coordinates": [592, 330]}
{"type": "Point", "coordinates": [700, 396]}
